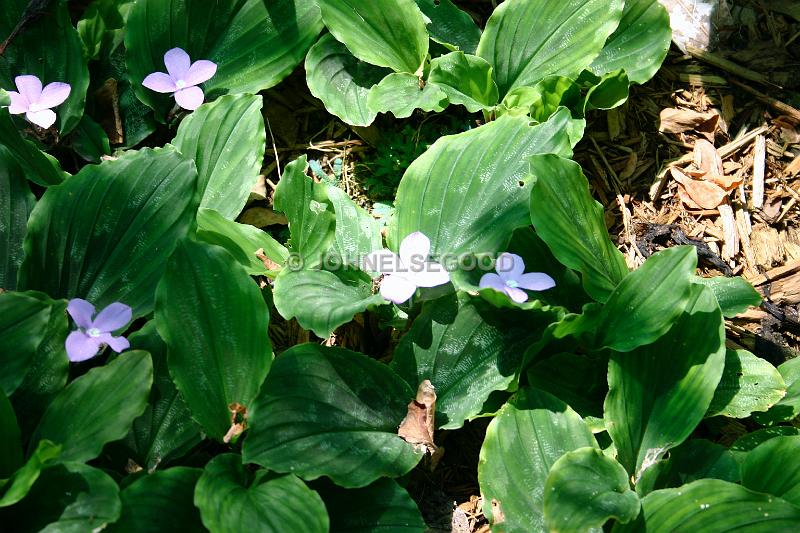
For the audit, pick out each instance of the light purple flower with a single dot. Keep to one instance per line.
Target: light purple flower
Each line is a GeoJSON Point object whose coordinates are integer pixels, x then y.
{"type": "Point", "coordinates": [182, 78]}
{"type": "Point", "coordinates": [404, 273]}
{"type": "Point", "coordinates": [36, 102]}
{"type": "Point", "coordinates": [85, 342]}
{"type": "Point", "coordinates": [511, 280]}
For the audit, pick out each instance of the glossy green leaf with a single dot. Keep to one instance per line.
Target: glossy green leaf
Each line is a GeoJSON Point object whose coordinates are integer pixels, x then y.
{"type": "Point", "coordinates": [255, 44]}
{"type": "Point", "coordinates": [747, 442]}
{"type": "Point", "coordinates": [639, 44]}
{"type": "Point", "coordinates": [357, 232]}
{"type": "Point", "coordinates": [17, 486]}
{"type": "Point", "coordinates": [526, 40]}
{"type": "Point", "coordinates": [571, 222]}
{"type": "Point", "coordinates": [789, 406]}
{"type": "Point", "coordinates": [341, 80]}
{"type": "Point", "coordinates": [89, 140]}
{"type": "Point", "coordinates": [734, 295]}
{"type": "Point", "coordinates": [548, 95]}
{"type": "Point", "coordinates": [585, 489]}
{"type": "Point", "coordinates": [97, 26]}
{"type": "Point", "coordinates": [465, 79]}
{"type": "Point", "coordinates": [41, 168]}
{"type": "Point", "coordinates": [608, 92]}
{"type": "Point", "coordinates": [10, 439]}
{"type": "Point", "coordinates": [387, 33]}
{"type": "Point", "coordinates": [399, 93]}
{"type": "Point", "coordinates": [523, 441]}
{"type": "Point", "coordinates": [226, 140]}
{"type": "Point", "coordinates": [381, 507]}
{"type": "Point", "coordinates": [106, 233]}
{"type": "Point", "coordinates": [23, 322]}
{"type": "Point", "coordinates": [337, 409]}
{"type": "Point", "coordinates": [695, 459]}
{"type": "Point", "coordinates": [16, 204]}
{"type": "Point", "coordinates": [48, 47]}
{"type": "Point", "coordinates": [98, 407]}
{"type": "Point", "coordinates": [214, 320]}
{"type": "Point", "coordinates": [772, 468]}
{"type": "Point", "coordinates": [748, 384]}
{"type": "Point", "coordinates": [450, 26]}
{"type": "Point", "coordinates": [659, 392]}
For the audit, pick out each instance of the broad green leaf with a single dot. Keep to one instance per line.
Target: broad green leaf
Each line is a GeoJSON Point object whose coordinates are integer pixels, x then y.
{"type": "Point", "coordinates": [772, 468]}
{"type": "Point", "coordinates": [97, 25]}
{"type": "Point", "coordinates": [234, 499]}
{"type": "Point", "coordinates": [357, 232]}
{"type": "Point", "coordinates": [469, 192]}
{"type": "Point", "coordinates": [16, 204]}
{"type": "Point", "coordinates": [242, 241]}
{"type": "Point", "coordinates": [608, 92]}
{"type": "Point", "coordinates": [10, 440]}
{"type": "Point", "coordinates": [89, 140]}
{"type": "Point", "coordinates": [527, 40]}
{"type": "Point", "coordinates": [548, 95]}
{"type": "Point", "coordinates": [226, 140]}
{"type": "Point", "coordinates": [659, 392]}
{"type": "Point", "coordinates": [66, 498]}
{"type": "Point", "coordinates": [159, 502]}
{"type": "Point", "coordinates": [381, 507]}
{"type": "Point", "coordinates": [467, 351]}
{"type": "Point", "coordinates": [694, 459]}
{"type": "Point", "coordinates": [106, 233]}
{"type": "Point", "coordinates": [571, 222]}
{"type": "Point", "coordinates": [465, 79]}
{"type": "Point", "coordinates": [585, 489]}
{"type": "Point", "coordinates": [341, 80]}
{"type": "Point", "coordinates": [577, 379]}
{"type": "Point", "coordinates": [214, 321]}
{"type": "Point", "coordinates": [748, 384]}
{"type": "Point", "coordinates": [23, 323]}
{"type": "Point", "coordinates": [255, 44]}
{"type": "Point", "coordinates": [47, 46]}
{"type": "Point", "coordinates": [338, 410]}
{"type": "Point", "coordinates": [789, 406]}
{"type": "Point", "coordinates": [400, 93]}
{"type": "Point", "coordinates": [749, 441]}
{"type": "Point", "coordinates": [41, 168]}
{"type": "Point", "coordinates": [17, 486]}
{"type": "Point", "coordinates": [734, 295]}
{"type": "Point", "coordinates": [322, 300]}
{"type": "Point", "coordinates": [387, 33]}
{"type": "Point", "coordinates": [165, 430]}
{"type": "Point", "coordinates": [523, 441]}
{"type": "Point", "coordinates": [449, 26]}
{"type": "Point", "coordinates": [639, 44]}
{"type": "Point", "coordinates": [98, 407]}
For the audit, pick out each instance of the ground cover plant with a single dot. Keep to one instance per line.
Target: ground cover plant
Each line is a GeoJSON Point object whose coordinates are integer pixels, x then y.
{"type": "Point", "coordinates": [144, 387]}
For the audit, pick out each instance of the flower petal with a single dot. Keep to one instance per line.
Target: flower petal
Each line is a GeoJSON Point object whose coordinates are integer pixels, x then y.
{"type": "Point", "coordinates": [189, 98]}
{"type": "Point", "coordinates": [397, 289]}
{"type": "Point", "coordinates": [81, 346]}
{"type": "Point", "coordinates": [383, 261]}
{"type": "Point", "coordinates": [112, 317]}
{"type": "Point", "coordinates": [54, 94]}
{"type": "Point", "coordinates": [44, 118]}
{"type": "Point", "coordinates": [492, 281]}
{"type": "Point", "coordinates": [118, 344]}
{"type": "Point", "coordinates": [29, 86]}
{"type": "Point", "coordinates": [19, 104]}
{"type": "Point", "coordinates": [431, 274]}
{"type": "Point", "coordinates": [81, 312]}
{"type": "Point", "coordinates": [536, 281]}
{"type": "Point", "coordinates": [518, 295]}
{"type": "Point", "coordinates": [160, 83]}
{"type": "Point", "coordinates": [509, 266]}
{"type": "Point", "coordinates": [200, 71]}
{"type": "Point", "coordinates": [415, 248]}
{"type": "Point", "coordinates": [177, 62]}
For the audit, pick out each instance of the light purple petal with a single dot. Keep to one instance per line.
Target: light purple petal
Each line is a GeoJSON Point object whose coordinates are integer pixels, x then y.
{"type": "Point", "coordinates": [29, 86]}
{"type": "Point", "coordinates": [117, 344]}
{"type": "Point", "coordinates": [19, 104]}
{"type": "Point", "coordinates": [432, 275]}
{"type": "Point", "coordinates": [160, 83]}
{"type": "Point", "coordinates": [54, 94]}
{"type": "Point", "coordinates": [397, 289]}
{"type": "Point", "coordinates": [492, 281]}
{"type": "Point", "coordinates": [383, 261]}
{"type": "Point", "coordinates": [177, 62]}
{"type": "Point", "coordinates": [81, 312]}
{"type": "Point", "coordinates": [81, 346]}
{"type": "Point", "coordinates": [509, 266]}
{"type": "Point", "coordinates": [189, 98]}
{"type": "Point", "coordinates": [415, 248]}
{"type": "Point", "coordinates": [112, 317]}
{"type": "Point", "coordinates": [200, 71]}
{"type": "Point", "coordinates": [518, 295]}
{"type": "Point", "coordinates": [44, 118]}
{"type": "Point", "coordinates": [536, 281]}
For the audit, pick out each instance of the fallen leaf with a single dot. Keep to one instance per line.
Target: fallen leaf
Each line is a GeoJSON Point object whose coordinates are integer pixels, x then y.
{"type": "Point", "coordinates": [238, 421]}
{"type": "Point", "coordinates": [698, 194]}
{"type": "Point", "coordinates": [261, 217]}
{"type": "Point", "coordinates": [674, 120]}
{"type": "Point", "coordinates": [711, 168]}
{"type": "Point", "coordinates": [269, 264]}
{"type": "Point", "coordinates": [417, 427]}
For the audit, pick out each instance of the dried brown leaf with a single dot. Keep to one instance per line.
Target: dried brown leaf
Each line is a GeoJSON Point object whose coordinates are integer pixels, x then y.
{"type": "Point", "coordinates": [698, 193]}
{"type": "Point", "coordinates": [418, 425]}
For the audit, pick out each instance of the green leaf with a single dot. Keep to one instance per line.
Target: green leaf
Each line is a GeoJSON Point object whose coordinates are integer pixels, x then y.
{"type": "Point", "coordinates": [585, 489]}
{"type": "Point", "coordinates": [165, 431]}
{"type": "Point", "coordinates": [695, 459]}
{"type": "Point", "coordinates": [748, 384]}
{"type": "Point", "coordinates": [97, 25]}
{"type": "Point", "coordinates": [400, 94]}
{"type": "Point", "coordinates": [16, 204]}
{"type": "Point", "coordinates": [734, 295]}
{"type": "Point", "coordinates": [658, 393]}
{"type": "Point", "coordinates": [321, 300]}
{"type": "Point", "coordinates": [357, 232]}
{"type": "Point", "coordinates": [789, 406]}
{"type": "Point", "coordinates": [639, 44]}
{"type": "Point", "coordinates": [447, 194]}
{"type": "Point", "coordinates": [387, 33]}
{"type": "Point", "coordinates": [571, 222]}
{"type": "Point", "coordinates": [41, 168]}
{"type": "Point", "coordinates": [577, 379]}
{"type": "Point", "coordinates": [226, 140]}
{"type": "Point", "coordinates": [214, 320]}
{"type": "Point", "coordinates": [255, 44]}
{"type": "Point", "coordinates": [48, 47]}
{"type": "Point", "coordinates": [465, 79]}
{"type": "Point", "coordinates": [343, 406]}
{"type": "Point", "coordinates": [23, 319]}
{"type": "Point", "coordinates": [608, 92]}
{"type": "Point", "coordinates": [10, 439]}
{"type": "Point", "coordinates": [17, 486]}
{"type": "Point", "coordinates": [381, 507]}
{"type": "Point", "coordinates": [548, 95]}
{"type": "Point", "coordinates": [523, 441]}
{"type": "Point", "coordinates": [233, 499]}
{"type": "Point", "coordinates": [526, 41]}
{"type": "Point", "coordinates": [89, 140]}
{"type": "Point", "coordinates": [106, 233]}
{"type": "Point", "coordinates": [450, 26]}
{"type": "Point", "coordinates": [98, 407]}
{"type": "Point", "coordinates": [772, 468]}
{"type": "Point", "coordinates": [158, 502]}
{"type": "Point", "coordinates": [747, 442]}
{"type": "Point", "coordinates": [341, 80]}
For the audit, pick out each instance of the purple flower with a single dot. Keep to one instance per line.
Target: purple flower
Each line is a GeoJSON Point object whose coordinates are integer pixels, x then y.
{"type": "Point", "coordinates": [35, 101]}
{"type": "Point", "coordinates": [183, 78]}
{"type": "Point", "coordinates": [85, 342]}
{"type": "Point", "coordinates": [511, 280]}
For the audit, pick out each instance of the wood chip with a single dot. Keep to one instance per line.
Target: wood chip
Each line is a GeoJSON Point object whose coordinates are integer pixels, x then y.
{"type": "Point", "coordinates": [731, 244]}
{"type": "Point", "coordinates": [759, 169]}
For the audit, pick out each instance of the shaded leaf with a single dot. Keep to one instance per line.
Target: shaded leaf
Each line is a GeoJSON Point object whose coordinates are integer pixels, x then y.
{"type": "Point", "coordinates": [771, 468]}
{"type": "Point", "coordinates": [16, 204]}
{"type": "Point", "coordinates": [748, 384]}
{"type": "Point", "coordinates": [23, 322]}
